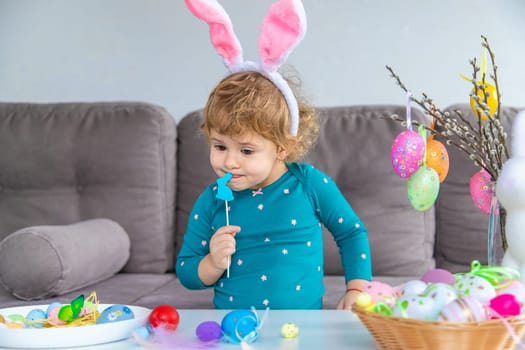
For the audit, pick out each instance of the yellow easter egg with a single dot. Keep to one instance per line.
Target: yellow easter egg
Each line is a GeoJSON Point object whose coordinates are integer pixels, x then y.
{"type": "Point", "coordinates": [492, 99]}
{"type": "Point", "coordinates": [289, 330]}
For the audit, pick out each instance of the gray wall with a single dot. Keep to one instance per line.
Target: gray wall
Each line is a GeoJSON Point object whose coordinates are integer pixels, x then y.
{"type": "Point", "coordinates": [156, 51]}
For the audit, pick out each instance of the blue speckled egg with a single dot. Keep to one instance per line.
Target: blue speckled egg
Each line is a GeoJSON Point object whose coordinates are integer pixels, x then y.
{"type": "Point", "coordinates": [115, 313]}
{"type": "Point", "coordinates": [37, 318]}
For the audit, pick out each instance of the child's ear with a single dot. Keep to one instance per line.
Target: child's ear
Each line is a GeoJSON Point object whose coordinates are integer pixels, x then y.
{"type": "Point", "coordinates": [287, 149]}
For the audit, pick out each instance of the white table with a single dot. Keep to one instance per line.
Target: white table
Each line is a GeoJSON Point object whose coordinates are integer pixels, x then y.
{"type": "Point", "coordinates": [318, 329]}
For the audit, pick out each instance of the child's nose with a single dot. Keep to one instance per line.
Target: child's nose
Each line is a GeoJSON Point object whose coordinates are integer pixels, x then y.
{"type": "Point", "coordinates": [231, 161]}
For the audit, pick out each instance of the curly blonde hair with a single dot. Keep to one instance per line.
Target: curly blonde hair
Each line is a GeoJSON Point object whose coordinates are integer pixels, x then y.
{"type": "Point", "coordinates": [247, 101]}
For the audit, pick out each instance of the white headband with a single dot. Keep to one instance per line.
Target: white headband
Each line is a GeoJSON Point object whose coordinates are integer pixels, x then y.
{"type": "Point", "coordinates": [282, 29]}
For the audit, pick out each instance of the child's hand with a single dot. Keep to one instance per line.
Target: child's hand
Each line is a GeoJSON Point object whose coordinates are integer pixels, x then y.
{"type": "Point", "coordinates": [222, 246]}
{"type": "Point", "coordinates": [346, 302]}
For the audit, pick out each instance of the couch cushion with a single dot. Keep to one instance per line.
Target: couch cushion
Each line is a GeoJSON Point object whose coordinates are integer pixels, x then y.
{"type": "Point", "coordinates": [459, 241]}
{"type": "Point", "coordinates": [354, 149]}
{"type": "Point", "coordinates": [45, 261]}
{"type": "Point", "coordinates": [69, 162]}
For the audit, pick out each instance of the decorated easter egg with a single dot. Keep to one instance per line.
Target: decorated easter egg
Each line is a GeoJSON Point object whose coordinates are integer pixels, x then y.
{"type": "Point", "coordinates": [423, 188]}
{"type": "Point", "coordinates": [289, 330]}
{"type": "Point", "coordinates": [475, 286]}
{"type": "Point", "coordinates": [165, 316]}
{"type": "Point", "coordinates": [208, 331]}
{"type": "Point", "coordinates": [481, 191]}
{"type": "Point", "coordinates": [489, 97]}
{"type": "Point", "coordinates": [36, 317]}
{"type": "Point", "coordinates": [364, 300]}
{"type": "Point", "coordinates": [52, 306]}
{"type": "Point", "coordinates": [515, 288]}
{"type": "Point", "coordinates": [441, 294]}
{"type": "Point", "coordinates": [379, 292]}
{"type": "Point", "coordinates": [438, 276]}
{"type": "Point", "coordinates": [437, 158]}
{"type": "Point", "coordinates": [115, 313]}
{"type": "Point", "coordinates": [504, 305]}
{"type": "Point", "coordinates": [464, 309]}
{"type": "Point", "coordinates": [407, 153]}
{"type": "Point", "coordinates": [239, 325]}
{"type": "Point", "coordinates": [412, 287]}
{"type": "Point", "coordinates": [414, 306]}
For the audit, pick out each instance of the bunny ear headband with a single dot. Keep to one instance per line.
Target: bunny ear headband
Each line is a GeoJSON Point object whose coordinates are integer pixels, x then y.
{"type": "Point", "coordinates": [282, 29]}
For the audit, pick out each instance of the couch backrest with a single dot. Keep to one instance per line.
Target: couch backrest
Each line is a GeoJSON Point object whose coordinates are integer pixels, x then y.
{"type": "Point", "coordinates": [462, 229]}
{"type": "Point", "coordinates": [354, 149]}
{"type": "Point", "coordinates": [69, 162]}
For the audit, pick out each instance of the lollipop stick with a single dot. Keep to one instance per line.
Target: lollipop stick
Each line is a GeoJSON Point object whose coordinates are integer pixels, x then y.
{"type": "Point", "coordinates": [227, 224]}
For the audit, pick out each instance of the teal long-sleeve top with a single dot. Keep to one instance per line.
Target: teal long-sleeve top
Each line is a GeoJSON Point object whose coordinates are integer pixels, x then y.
{"type": "Point", "coordinates": [278, 261]}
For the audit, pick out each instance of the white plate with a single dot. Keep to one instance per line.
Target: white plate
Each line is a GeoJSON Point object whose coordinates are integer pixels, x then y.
{"type": "Point", "coordinates": [68, 336]}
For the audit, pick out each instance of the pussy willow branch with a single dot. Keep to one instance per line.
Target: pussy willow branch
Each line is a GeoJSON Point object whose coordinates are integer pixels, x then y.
{"type": "Point", "coordinates": [485, 142]}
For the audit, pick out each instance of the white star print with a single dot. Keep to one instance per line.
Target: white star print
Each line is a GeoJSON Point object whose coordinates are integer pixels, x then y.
{"type": "Point", "coordinates": [325, 180]}
{"type": "Point", "coordinates": [266, 302]}
{"type": "Point", "coordinates": [221, 284]}
{"type": "Point", "coordinates": [231, 298]}
{"type": "Point", "coordinates": [286, 191]}
{"type": "Point", "coordinates": [294, 222]}
{"type": "Point", "coordinates": [363, 256]}
{"type": "Point", "coordinates": [267, 239]}
{"type": "Point", "coordinates": [182, 263]}
{"type": "Point", "coordinates": [318, 268]}
{"type": "Point", "coordinates": [308, 244]}
{"type": "Point", "coordinates": [284, 251]}
{"type": "Point", "coordinates": [264, 278]}
{"type": "Point", "coordinates": [357, 225]}
{"type": "Point", "coordinates": [214, 188]}
{"type": "Point", "coordinates": [239, 262]}
{"type": "Point", "coordinates": [340, 220]}
{"type": "Point", "coordinates": [204, 243]}
{"type": "Point", "coordinates": [196, 217]}
{"type": "Point", "coordinates": [260, 207]}
{"type": "Point", "coordinates": [298, 287]}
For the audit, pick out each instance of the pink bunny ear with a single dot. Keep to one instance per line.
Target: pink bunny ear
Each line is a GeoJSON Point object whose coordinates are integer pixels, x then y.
{"type": "Point", "coordinates": [283, 28]}
{"type": "Point", "coordinates": [222, 35]}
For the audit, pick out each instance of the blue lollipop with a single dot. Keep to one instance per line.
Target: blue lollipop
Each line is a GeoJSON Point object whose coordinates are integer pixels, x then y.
{"type": "Point", "coordinates": [225, 193]}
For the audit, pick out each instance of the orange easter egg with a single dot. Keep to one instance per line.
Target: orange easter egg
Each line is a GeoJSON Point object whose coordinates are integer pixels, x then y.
{"type": "Point", "coordinates": [437, 158]}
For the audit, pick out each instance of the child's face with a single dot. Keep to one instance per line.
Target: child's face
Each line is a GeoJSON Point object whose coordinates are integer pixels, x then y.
{"type": "Point", "coordinates": [253, 160]}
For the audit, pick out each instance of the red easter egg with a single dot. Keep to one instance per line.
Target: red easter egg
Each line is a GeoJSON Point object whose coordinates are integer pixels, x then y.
{"type": "Point", "coordinates": [165, 316]}
{"type": "Point", "coordinates": [481, 190]}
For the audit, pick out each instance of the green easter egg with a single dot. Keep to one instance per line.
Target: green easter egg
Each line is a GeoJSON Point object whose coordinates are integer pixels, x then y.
{"type": "Point", "coordinates": [423, 188]}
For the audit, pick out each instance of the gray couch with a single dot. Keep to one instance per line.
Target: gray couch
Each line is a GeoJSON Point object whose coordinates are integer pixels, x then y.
{"type": "Point", "coordinates": [63, 164]}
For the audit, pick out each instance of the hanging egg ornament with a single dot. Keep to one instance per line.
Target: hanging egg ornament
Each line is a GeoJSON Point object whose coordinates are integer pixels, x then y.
{"type": "Point", "coordinates": [407, 153]}
{"type": "Point", "coordinates": [490, 94]}
{"type": "Point", "coordinates": [481, 190]}
{"type": "Point", "coordinates": [437, 158]}
{"type": "Point", "coordinates": [423, 188]}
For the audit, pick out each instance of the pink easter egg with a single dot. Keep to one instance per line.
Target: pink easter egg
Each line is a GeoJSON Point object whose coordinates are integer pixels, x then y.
{"type": "Point", "coordinates": [52, 316]}
{"type": "Point", "coordinates": [465, 309]}
{"type": "Point", "coordinates": [481, 190]}
{"type": "Point", "coordinates": [379, 292]}
{"type": "Point", "coordinates": [407, 153]}
{"type": "Point", "coordinates": [438, 276]}
{"type": "Point", "coordinates": [504, 305]}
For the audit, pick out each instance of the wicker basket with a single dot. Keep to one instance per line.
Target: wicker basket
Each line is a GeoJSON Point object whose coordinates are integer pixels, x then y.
{"type": "Point", "coordinates": [395, 333]}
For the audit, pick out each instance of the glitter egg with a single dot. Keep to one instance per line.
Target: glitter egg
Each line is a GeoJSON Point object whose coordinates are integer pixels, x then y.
{"type": "Point", "coordinates": [481, 191]}
{"type": "Point", "coordinates": [437, 158]}
{"type": "Point", "coordinates": [423, 188]}
{"type": "Point", "coordinates": [289, 330]}
{"type": "Point", "coordinates": [407, 153]}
